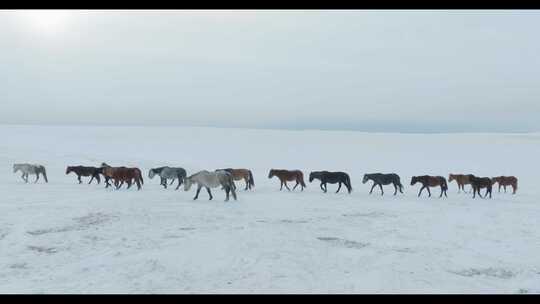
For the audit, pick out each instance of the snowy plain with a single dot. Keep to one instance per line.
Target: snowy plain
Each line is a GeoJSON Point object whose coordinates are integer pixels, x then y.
{"type": "Point", "coordinates": [63, 237]}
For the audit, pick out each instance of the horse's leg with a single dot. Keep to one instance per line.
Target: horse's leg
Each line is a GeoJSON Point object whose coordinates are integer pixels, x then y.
{"type": "Point", "coordinates": [428, 191]}
{"type": "Point", "coordinates": [209, 193]}
{"type": "Point", "coordinates": [339, 187]}
{"type": "Point", "coordinates": [500, 188]}
{"type": "Point", "coordinates": [179, 183]}
{"type": "Point", "coordinates": [373, 186]}
{"type": "Point", "coordinates": [322, 188]}
{"type": "Point", "coordinates": [172, 181]}
{"type": "Point", "coordinates": [295, 185]}
{"type": "Point", "coordinates": [26, 177]}
{"type": "Point", "coordinates": [197, 194]}
{"type": "Point", "coordinates": [395, 189]}
{"type": "Point", "coordinates": [91, 179]}
{"type": "Point", "coordinates": [382, 191]}
{"type": "Point", "coordinates": [79, 178]}
{"type": "Point", "coordinates": [441, 191]}
{"type": "Point", "coordinates": [227, 190]}
{"type": "Point", "coordinates": [504, 188]}
{"type": "Point", "coordinates": [285, 183]}
{"type": "Point", "coordinates": [247, 183]}
{"type": "Point", "coordinates": [420, 192]}
{"type": "Point", "coordinates": [37, 178]}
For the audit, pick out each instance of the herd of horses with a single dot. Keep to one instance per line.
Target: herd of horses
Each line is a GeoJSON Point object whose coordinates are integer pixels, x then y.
{"type": "Point", "coordinates": [225, 178]}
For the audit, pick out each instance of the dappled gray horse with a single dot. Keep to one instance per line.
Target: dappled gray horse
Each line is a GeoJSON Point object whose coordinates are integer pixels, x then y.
{"type": "Point", "coordinates": [167, 172]}
{"type": "Point", "coordinates": [211, 180]}
{"type": "Point", "coordinates": [30, 169]}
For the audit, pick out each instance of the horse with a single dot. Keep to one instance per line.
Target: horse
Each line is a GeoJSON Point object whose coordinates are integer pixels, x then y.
{"type": "Point", "coordinates": [505, 181]}
{"type": "Point", "coordinates": [85, 171]}
{"type": "Point", "coordinates": [30, 169]}
{"type": "Point", "coordinates": [478, 183]}
{"type": "Point", "coordinates": [430, 181]}
{"type": "Point", "coordinates": [123, 174]}
{"type": "Point", "coordinates": [168, 172]}
{"type": "Point", "coordinates": [239, 174]}
{"type": "Point", "coordinates": [461, 180]}
{"type": "Point", "coordinates": [383, 179]}
{"type": "Point", "coordinates": [211, 180]}
{"type": "Point", "coordinates": [332, 178]}
{"type": "Point", "coordinates": [286, 175]}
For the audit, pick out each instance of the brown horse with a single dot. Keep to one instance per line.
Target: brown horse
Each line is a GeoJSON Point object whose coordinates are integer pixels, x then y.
{"type": "Point", "coordinates": [286, 175]}
{"type": "Point", "coordinates": [505, 181]}
{"type": "Point", "coordinates": [430, 181]}
{"type": "Point", "coordinates": [478, 183]}
{"type": "Point", "coordinates": [239, 174]}
{"type": "Point", "coordinates": [123, 174]}
{"type": "Point", "coordinates": [461, 180]}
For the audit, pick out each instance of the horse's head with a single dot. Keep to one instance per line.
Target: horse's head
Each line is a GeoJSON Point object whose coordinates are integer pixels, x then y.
{"type": "Point", "coordinates": [103, 165]}
{"type": "Point", "coordinates": [69, 169]}
{"type": "Point", "coordinates": [151, 173]}
{"type": "Point", "coordinates": [15, 168]}
{"type": "Point", "coordinates": [311, 177]}
{"type": "Point", "coordinates": [414, 179]}
{"type": "Point", "coordinates": [451, 177]}
{"type": "Point", "coordinates": [365, 179]}
{"type": "Point", "coordinates": [494, 180]}
{"type": "Point", "coordinates": [271, 174]}
{"type": "Point", "coordinates": [187, 183]}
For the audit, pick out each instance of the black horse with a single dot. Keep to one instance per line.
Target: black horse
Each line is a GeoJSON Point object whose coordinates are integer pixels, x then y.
{"type": "Point", "coordinates": [478, 183]}
{"type": "Point", "coordinates": [332, 178]}
{"type": "Point", "coordinates": [430, 181]}
{"type": "Point", "coordinates": [85, 171]}
{"type": "Point", "coordinates": [383, 179]}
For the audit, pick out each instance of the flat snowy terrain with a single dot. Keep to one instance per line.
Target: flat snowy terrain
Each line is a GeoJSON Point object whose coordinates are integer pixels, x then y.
{"type": "Point", "coordinates": [63, 237]}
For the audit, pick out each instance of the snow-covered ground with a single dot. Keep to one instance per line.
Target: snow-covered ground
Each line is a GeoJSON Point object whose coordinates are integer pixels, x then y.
{"type": "Point", "coordinates": [63, 237]}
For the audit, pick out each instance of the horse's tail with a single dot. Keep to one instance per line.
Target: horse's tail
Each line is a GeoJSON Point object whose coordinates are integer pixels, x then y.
{"type": "Point", "coordinates": [140, 175]}
{"type": "Point", "coordinates": [399, 184]}
{"type": "Point", "coordinates": [444, 184]}
{"type": "Point", "coordinates": [301, 175]}
{"type": "Point", "coordinates": [251, 181]}
{"type": "Point", "coordinates": [44, 172]}
{"type": "Point", "coordinates": [348, 184]}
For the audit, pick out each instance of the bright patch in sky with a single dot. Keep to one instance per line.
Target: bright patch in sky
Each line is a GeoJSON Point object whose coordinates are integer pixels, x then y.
{"type": "Point", "coordinates": [45, 21]}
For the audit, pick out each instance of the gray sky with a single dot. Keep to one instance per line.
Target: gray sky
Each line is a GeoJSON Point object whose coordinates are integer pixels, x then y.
{"type": "Point", "coordinates": [400, 71]}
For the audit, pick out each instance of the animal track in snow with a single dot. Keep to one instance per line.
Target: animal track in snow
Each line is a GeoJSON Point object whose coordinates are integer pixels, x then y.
{"type": "Point", "coordinates": [343, 242]}
{"type": "Point", "coordinates": [83, 223]}
{"type": "Point", "coordinates": [490, 272]}
{"type": "Point", "coordinates": [43, 249]}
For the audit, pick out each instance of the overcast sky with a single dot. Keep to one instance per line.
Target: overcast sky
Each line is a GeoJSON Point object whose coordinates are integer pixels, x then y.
{"type": "Point", "coordinates": [399, 71]}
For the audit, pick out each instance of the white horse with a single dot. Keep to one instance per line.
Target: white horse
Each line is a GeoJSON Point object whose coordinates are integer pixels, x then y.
{"type": "Point", "coordinates": [211, 180]}
{"type": "Point", "coordinates": [168, 172]}
{"type": "Point", "coordinates": [30, 169]}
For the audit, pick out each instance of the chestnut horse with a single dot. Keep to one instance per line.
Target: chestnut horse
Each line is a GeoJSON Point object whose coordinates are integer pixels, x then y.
{"type": "Point", "coordinates": [478, 183]}
{"type": "Point", "coordinates": [461, 180]}
{"type": "Point", "coordinates": [430, 181]}
{"type": "Point", "coordinates": [123, 174]}
{"type": "Point", "coordinates": [239, 174]}
{"type": "Point", "coordinates": [505, 181]}
{"type": "Point", "coordinates": [286, 175]}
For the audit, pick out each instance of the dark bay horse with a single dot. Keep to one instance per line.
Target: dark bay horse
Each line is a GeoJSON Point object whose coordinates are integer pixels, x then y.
{"type": "Point", "coordinates": [239, 174]}
{"type": "Point", "coordinates": [430, 181]}
{"type": "Point", "coordinates": [461, 180]}
{"type": "Point", "coordinates": [332, 178]}
{"type": "Point", "coordinates": [123, 174]}
{"type": "Point", "coordinates": [505, 181]}
{"type": "Point", "coordinates": [478, 183]}
{"type": "Point", "coordinates": [85, 171]}
{"type": "Point", "coordinates": [286, 175]}
{"type": "Point", "coordinates": [383, 179]}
